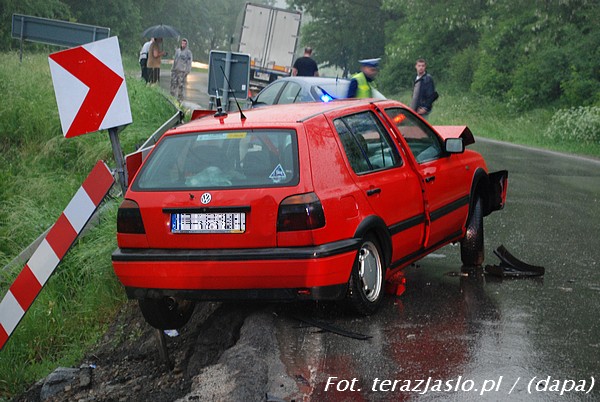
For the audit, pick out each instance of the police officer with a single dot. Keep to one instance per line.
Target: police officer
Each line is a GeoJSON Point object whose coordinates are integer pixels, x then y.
{"type": "Point", "coordinates": [360, 85]}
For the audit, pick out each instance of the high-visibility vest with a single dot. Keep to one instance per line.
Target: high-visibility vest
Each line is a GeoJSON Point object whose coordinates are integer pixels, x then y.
{"type": "Point", "coordinates": [364, 87]}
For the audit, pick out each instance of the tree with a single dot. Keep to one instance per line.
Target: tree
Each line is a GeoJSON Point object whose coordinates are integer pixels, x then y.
{"type": "Point", "coordinates": [45, 9]}
{"type": "Point", "coordinates": [438, 31]}
{"type": "Point", "coordinates": [342, 32]}
{"type": "Point", "coordinates": [121, 16]}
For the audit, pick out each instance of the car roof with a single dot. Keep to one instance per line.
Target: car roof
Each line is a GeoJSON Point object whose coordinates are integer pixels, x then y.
{"type": "Point", "coordinates": [273, 115]}
{"type": "Point", "coordinates": [314, 80]}
{"type": "Point", "coordinates": [336, 87]}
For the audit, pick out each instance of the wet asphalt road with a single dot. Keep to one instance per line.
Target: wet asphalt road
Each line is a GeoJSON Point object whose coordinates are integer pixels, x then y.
{"type": "Point", "coordinates": [474, 332]}
{"type": "Point", "coordinates": [479, 331]}
{"type": "Point", "coordinates": [196, 88]}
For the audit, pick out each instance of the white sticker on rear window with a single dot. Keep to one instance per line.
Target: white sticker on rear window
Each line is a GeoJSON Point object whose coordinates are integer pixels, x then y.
{"type": "Point", "coordinates": [220, 136]}
{"type": "Point", "coordinates": [277, 174]}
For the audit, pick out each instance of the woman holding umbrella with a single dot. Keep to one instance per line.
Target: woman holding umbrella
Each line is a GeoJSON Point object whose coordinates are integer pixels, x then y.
{"type": "Point", "coordinates": [155, 55]}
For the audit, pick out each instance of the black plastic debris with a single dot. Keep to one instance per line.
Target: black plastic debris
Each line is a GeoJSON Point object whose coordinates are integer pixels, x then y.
{"type": "Point", "coordinates": [511, 267]}
{"type": "Point", "coordinates": [331, 328]}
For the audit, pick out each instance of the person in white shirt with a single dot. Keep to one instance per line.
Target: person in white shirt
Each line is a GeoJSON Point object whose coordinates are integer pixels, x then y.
{"type": "Point", "coordinates": [144, 59]}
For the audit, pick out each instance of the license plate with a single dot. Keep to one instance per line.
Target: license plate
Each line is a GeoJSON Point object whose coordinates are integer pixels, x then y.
{"type": "Point", "coordinates": [226, 222]}
{"type": "Point", "coordinates": [261, 76]}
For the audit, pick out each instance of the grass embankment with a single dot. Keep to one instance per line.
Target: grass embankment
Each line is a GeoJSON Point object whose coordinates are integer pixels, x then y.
{"type": "Point", "coordinates": [575, 130]}
{"type": "Point", "coordinates": [40, 171]}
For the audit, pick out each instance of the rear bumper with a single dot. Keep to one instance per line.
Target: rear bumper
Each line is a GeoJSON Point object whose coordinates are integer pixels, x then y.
{"type": "Point", "coordinates": [333, 292]}
{"type": "Point", "coordinates": [314, 273]}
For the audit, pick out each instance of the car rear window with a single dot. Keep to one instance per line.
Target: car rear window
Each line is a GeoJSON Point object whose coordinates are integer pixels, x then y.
{"type": "Point", "coordinates": [329, 91]}
{"type": "Point", "coordinates": [223, 159]}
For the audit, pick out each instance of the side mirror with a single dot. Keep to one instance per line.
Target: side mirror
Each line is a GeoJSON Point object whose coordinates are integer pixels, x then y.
{"type": "Point", "coordinates": [454, 145]}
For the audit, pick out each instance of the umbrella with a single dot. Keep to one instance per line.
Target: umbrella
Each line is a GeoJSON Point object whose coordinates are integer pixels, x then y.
{"type": "Point", "coordinates": [161, 31]}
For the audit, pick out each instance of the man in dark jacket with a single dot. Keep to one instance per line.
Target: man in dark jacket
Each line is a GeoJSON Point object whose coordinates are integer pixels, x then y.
{"type": "Point", "coordinates": [305, 66]}
{"type": "Point", "coordinates": [424, 93]}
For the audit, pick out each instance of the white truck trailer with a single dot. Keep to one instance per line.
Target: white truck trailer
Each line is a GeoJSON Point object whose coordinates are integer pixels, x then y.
{"type": "Point", "coordinates": [269, 35]}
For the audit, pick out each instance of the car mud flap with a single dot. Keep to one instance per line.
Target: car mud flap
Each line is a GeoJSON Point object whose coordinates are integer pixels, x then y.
{"type": "Point", "coordinates": [330, 328]}
{"type": "Point", "coordinates": [511, 267]}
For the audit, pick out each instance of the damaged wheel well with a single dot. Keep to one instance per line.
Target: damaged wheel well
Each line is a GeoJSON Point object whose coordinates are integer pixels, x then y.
{"type": "Point", "coordinates": [480, 187]}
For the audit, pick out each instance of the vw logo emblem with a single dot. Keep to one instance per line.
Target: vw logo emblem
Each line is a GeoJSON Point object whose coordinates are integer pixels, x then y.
{"type": "Point", "coordinates": [205, 199]}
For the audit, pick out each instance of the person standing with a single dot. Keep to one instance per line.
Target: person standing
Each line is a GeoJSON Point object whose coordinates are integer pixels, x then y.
{"type": "Point", "coordinates": [182, 65]}
{"type": "Point", "coordinates": [360, 84]}
{"type": "Point", "coordinates": [144, 59]}
{"type": "Point", "coordinates": [155, 55]}
{"type": "Point", "coordinates": [424, 93]}
{"type": "Point", "coordinates": [305, 66]}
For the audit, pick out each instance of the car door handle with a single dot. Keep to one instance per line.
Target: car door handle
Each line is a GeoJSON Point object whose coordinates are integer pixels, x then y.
{"type": "Point", "coordinates": [373, 191]}
{"type": "Point", "coordinates": [429, 179]}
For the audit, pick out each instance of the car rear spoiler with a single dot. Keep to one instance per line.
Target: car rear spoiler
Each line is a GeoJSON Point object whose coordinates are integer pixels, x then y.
{"type": "Point", "coordinates": [199, 113]}
{"type": "Point", "coordinates": [456, 132]}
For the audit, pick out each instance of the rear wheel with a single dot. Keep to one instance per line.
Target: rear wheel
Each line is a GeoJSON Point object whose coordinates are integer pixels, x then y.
{"type": "Point", "coordinates": [167, 313]}
{"type": "Point", "coordinates": [365, 291]}
{"type": "Point", "coordinates": [471, 246]}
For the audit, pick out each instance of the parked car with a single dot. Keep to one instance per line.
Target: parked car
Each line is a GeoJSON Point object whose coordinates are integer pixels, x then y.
{"type": "Point", "coordinates": [301, 89]}
{"type": "Point", "coordinates": [318, 201]}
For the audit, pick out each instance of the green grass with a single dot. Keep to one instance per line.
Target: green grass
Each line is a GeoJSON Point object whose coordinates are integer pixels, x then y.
{"type": "Point", "coordinates": [40, 171]}
{"type": "Point", "coordinates": [488, 118]}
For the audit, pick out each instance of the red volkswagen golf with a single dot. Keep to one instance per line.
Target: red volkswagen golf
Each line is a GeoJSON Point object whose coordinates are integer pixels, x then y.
{"type": "Point", "coordinates": [313, 201]}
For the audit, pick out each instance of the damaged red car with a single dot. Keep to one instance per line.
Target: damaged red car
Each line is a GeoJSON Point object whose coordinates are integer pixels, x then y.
{"type": "Point", "coordinates": [313, 201]}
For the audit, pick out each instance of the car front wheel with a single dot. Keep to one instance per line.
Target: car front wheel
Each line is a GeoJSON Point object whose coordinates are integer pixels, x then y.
{"type": "Point", "coordinates": [471, 246]}
{"type": "Point", "coordinates": [167, 313]}
{"type": "Point", "coordinates": [365, 291]}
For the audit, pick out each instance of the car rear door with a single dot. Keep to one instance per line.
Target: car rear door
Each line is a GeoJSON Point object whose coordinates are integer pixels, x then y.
{"type": "Point", "coordinates": [391, 186]}
{"type": "Point", "coordinates": [445, 177]}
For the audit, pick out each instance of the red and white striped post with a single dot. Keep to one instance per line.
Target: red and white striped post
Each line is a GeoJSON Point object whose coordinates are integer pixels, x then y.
{"type": "Point", "coordinates": [52, 249]}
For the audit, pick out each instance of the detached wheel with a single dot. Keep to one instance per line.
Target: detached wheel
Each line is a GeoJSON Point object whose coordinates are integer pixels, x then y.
{"type": "Point", "coordinates": [471, 246]}
{"type": "Point", "coordinates": [365, 290]}
{"type": "Point", "coordinates": [167, 313]}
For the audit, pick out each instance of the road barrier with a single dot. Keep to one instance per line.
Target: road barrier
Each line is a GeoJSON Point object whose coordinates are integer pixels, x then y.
{"type": "Point", "coordinates": [53, 248]}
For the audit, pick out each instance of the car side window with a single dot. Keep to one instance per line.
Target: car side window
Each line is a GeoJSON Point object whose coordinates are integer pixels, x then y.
{"type": "Point", "coordinates": [366, 143]}
{"type": "Point", "coordinates": [269, 94]}
{"type": "Point", "coordinates": [290, 93]}
{"type": "Point", "coordinates": [424, 144]}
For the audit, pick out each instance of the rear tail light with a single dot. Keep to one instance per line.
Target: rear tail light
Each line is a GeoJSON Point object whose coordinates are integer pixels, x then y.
{"type": "Point", "coordinates": [300, 212]}
{"type": "Point", "coordinates": [129, 218]}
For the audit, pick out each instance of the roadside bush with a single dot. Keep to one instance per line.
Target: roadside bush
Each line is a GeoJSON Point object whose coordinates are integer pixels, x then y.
{"type": "Point", "coordinates": [462, 68]}
{"type": "Point", "coordinates": [581, 124]}
{"type": "Point", "coordinates": [580, 89]}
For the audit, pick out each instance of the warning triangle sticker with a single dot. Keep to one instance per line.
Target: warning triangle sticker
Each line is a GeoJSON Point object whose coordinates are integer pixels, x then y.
{"type": "Point", "coordinates": [277, 174]}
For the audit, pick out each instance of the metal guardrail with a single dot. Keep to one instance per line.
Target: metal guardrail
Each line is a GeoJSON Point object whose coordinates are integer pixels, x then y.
{"type": "Point", "coordinates": [176, 119]}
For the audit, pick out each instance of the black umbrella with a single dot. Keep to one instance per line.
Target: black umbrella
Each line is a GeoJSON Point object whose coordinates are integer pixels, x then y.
{"type": "Point", "coordinates": [161, 31]}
